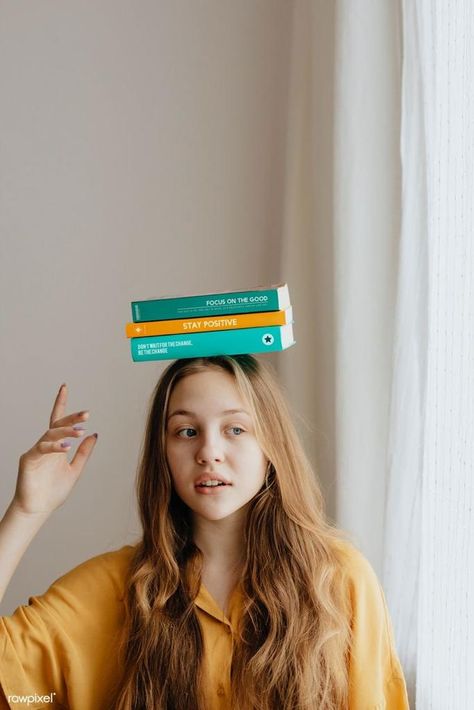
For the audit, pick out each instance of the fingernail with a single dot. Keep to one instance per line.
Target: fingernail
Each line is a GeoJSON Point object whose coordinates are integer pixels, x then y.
{"type": "Point", "coordinates": [65, 445]}
{"type": "Point", "coordinates": [95, 435]}
{"type": "Point", "coordinates": [78, 427]}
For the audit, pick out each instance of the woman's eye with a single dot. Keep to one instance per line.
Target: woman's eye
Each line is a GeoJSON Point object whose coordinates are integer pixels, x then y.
{"type": "Point", "coordinates": [190, 432]}
{"type": "Point", "coordinates": [183, 433]}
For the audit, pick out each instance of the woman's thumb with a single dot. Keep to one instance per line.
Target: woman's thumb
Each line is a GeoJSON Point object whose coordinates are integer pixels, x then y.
{"type": "Point", "coordinates": [82, 453]}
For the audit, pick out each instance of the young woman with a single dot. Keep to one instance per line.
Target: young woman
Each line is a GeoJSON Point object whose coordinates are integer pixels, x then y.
{"type": "Point", "coordinates": [239, 593]}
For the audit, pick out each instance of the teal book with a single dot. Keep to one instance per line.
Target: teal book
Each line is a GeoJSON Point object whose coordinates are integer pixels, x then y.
{"type": "Point", "coordinates": [222, 342]}
{"type": "Point", "coordinates": [273, 298]}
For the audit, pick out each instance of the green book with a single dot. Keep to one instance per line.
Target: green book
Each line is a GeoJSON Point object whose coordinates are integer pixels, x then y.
{"type": "Point", "coordinates": [273, 298]}
{"type": "Point", "coordinates": [223, 342]}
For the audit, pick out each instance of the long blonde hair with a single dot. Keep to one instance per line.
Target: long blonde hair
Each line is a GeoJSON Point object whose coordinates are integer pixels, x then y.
{"type": "Point", "coordinates": [292, 645]}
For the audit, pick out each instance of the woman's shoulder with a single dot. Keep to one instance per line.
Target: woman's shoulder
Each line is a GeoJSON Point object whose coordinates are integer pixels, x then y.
{"type": "Point", "coordinates": [356, 569]}
{"type": "Point", "coordinates": [352, 559]}
{"type": "Point", "coordinates": [105, 573]}
{"type": "Point", "coordinates": [371, 624]}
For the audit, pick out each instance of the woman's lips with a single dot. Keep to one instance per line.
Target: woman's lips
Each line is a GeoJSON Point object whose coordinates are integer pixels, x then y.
{"type": "Point", "coordinates": [210, 490]}
{"type": "Point", "coordinates": [210, 476]}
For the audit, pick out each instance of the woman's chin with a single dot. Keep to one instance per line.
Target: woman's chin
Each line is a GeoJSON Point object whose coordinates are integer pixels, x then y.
{"type": "Point", "coordinates": [217, 512]}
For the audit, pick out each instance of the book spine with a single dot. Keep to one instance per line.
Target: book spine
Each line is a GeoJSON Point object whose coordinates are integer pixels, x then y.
{"type": "Point", "coordinates": [206, 305]}
{"type": "Point", "coordinates": [224, 342]}
{"type": "Point", "coordinates": [198, 325]}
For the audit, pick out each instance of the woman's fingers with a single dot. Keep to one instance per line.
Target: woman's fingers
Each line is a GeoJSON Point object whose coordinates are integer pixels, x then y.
{"type": "Point", "coordinates": [83, 452]}
{"type": "Point", "coordinates": [52, 447]}
{"type": "Point", "coordinates": [59, 405]}
{"type": "Point", "coordinates": [54, 440]}
{"type": "Point", "coordinates": [57, 418]}
{"type": "Point", "coordinates": [57, 440]}
{"type": "Point", "coordinates": [58, 433]}
{"type": "Point", "coordinates": [61, 428]}
{"type": "Point", "coordinates": [76, 418]}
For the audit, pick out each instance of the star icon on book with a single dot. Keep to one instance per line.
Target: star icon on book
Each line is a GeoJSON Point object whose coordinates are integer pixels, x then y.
{"type": "Point", "coordinates": [268, 339]}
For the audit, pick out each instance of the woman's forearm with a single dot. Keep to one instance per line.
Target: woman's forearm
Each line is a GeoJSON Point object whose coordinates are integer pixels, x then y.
{"type": "Point", "coordinates": [17, 530]}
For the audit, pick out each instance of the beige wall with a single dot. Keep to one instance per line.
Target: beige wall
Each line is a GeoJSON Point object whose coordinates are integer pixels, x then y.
{"type": "Point", "coordinates": [142, 154]}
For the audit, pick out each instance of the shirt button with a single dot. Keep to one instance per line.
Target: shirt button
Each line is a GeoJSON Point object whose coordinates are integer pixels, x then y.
{"type": "Point", "coordinates": [220, 690]}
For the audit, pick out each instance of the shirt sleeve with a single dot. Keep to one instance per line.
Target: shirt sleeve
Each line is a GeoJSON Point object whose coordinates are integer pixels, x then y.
{"type": "Point", "coordinates": [33, 652]}
{"type": "Point", "coordinates": [56, 650]}
{"type": "Point", "coordinates": [376, 680]}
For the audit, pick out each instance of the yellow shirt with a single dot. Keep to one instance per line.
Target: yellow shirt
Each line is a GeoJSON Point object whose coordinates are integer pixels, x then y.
{"type": "Point", "coordinates": [61, 647]}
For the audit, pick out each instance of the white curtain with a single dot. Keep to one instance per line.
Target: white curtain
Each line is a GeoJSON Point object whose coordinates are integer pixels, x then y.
{"type": "Point", "coordinates": [440, 94]}
{"type": "Point", "coordinates": [377, 249]}
{"type": "Point", "coordinates": [429, 531]}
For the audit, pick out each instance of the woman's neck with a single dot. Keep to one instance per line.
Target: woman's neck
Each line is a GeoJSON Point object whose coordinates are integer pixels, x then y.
{"type": "Point", "coordinates": [221, 542]}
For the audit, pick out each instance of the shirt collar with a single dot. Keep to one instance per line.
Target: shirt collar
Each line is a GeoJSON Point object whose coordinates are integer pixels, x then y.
{"type": "Point", "coordinates": [207, 603]}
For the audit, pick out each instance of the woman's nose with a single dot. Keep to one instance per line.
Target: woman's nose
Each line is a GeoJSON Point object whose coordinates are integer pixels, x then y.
{"type": "Point", "coordinates": [210, 450]}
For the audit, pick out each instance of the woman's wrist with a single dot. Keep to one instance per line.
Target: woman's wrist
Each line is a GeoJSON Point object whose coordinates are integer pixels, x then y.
{"type": "Point", "coordinates": [15, 509]}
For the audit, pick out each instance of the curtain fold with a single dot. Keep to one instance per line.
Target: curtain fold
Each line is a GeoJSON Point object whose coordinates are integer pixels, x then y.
{"type": "Point", "coordinates": [366, 241]}
{"type": "Point", "coordinates": [340, 248]}
{"type": "Point", "coordinates": [307, 245]}
{"type": "Point", "coordinates": [404, 467]}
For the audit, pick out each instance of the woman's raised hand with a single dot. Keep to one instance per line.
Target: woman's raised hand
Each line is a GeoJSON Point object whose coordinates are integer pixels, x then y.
{"type": "Point", "coordinates": [45, 476]}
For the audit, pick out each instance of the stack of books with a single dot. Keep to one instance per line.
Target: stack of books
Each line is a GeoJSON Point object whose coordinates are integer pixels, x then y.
{"type": "Point", "coordinates": [228, 323]}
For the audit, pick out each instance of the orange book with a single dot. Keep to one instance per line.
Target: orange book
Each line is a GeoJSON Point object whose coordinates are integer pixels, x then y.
{"type": "Point", "coordinates": [209, 323]}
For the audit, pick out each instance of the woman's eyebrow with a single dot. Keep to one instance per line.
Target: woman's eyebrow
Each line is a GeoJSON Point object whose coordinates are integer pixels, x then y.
{"type": "Point", "coordinates": [186, 413]}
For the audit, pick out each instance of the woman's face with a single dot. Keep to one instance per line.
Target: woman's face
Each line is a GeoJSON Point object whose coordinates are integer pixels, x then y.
{"type": "Point", "coordinates": [210, 435]}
